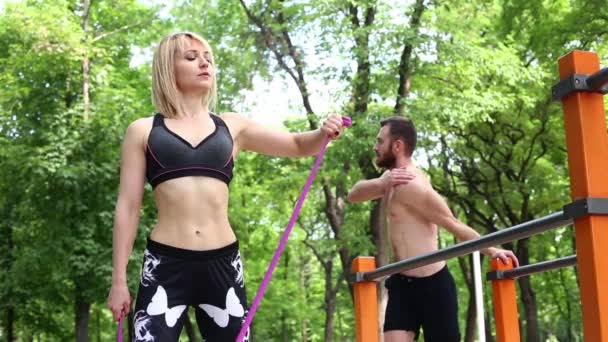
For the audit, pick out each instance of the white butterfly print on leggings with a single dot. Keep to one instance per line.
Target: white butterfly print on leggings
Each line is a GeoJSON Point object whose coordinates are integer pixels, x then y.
{"type": "Point", "coordinates": [237, 264]}
{"type": "Point", "coordinates": [150, 264]}
{"type": "Point", "coordinates": [159, 306]}
{"type": "Point", "coordinates": [142, 327]}
{"type": "Point", "coordinates": [222, 316]}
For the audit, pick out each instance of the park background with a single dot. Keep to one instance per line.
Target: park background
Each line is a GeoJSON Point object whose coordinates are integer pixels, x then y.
{"type": "Point", "coordinates": [475, 76]}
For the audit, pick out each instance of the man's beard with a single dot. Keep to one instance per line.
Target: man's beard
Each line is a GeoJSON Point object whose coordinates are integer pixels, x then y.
{"type": "Point", "coordinates": [386, 160]}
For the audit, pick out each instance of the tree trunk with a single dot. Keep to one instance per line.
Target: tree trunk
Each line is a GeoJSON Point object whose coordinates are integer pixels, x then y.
{"type": "Point", "coordinates": [470, 324]}
{"type": "Point", "coordinates": [489, 336]}
{"type": "Point", "coordinates": [330, 302]}
{"type": "Point", "coordinates": [359, 100]}
{"type": "Point", "coordinates": [335, 210]}
{"type": "Point", "coordinates": [82, 307]}
{"type": "Point", "coordinates": [10, 324]}
{"type": "Point", "coordinates": [361, 81]}
{"type": "Point", "coordinates": [530, 309]}
{"type": "Point", "coordinates": [98, 319]}
{"type": "Point", "coordinates": [304, 331]}
{"type": "Point", "coordinates": [284, 332]}
{"type": "Point", "coordinates": [405, 67]}
{"type": "Point", "coordinates": [304, 288]}
{"type": "Point", "coordinates": [568, 295]}
{"type": "Point", "coordinates": [527, 295]}
{"type": "Point", "coordinates": [86, 65]}
{"type": "Point", "coordinates": [7, 265]}
{"type": "Point", "coordinates": [86, 62]}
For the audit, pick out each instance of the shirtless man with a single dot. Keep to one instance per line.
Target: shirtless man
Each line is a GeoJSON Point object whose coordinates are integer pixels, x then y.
{"type": "Point", "coordinates": [425, 296]}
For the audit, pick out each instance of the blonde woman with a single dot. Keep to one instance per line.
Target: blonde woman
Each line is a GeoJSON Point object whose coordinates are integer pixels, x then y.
{"type": "Point", "coordinates": [187, 154]}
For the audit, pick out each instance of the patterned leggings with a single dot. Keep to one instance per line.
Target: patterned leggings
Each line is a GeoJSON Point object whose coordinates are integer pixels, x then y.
{"type": "Point", "coordinates": [174, 278]}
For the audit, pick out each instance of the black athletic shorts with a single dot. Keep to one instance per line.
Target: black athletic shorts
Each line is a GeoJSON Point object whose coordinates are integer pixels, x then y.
{"type": "Point", "coordinates": [173, 279]}
{"type": "Point", "coordinates": [428, 302]}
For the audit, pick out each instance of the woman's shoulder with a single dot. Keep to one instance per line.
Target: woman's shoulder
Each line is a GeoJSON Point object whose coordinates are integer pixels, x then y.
{"type": "Point", "coordinates": [230, 116]}
{"type": "Point", "coordinates": [140, 123]}
{"type": "Point", "coordinates": [234, 121]}
{"type": "Point", "coordinates": [140, 127]}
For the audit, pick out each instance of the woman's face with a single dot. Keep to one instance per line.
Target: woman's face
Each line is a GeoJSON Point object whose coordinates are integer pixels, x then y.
{"type": "Point", "coordinates": [194, 71]}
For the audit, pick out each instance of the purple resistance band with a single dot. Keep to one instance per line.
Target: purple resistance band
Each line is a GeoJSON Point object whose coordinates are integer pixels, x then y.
{"type": "Point", "coordinates": [119, 335]}
{"type": "Point", "coordinates": [346, 121]}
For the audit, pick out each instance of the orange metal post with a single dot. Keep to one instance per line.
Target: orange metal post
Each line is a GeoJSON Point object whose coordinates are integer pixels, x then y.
{"type": "Point", "coordinates": [366, 302]}
{"type": "Point", "coordinates": [587, 144]}
{"type": "Point", "coordinates": [505, 304]}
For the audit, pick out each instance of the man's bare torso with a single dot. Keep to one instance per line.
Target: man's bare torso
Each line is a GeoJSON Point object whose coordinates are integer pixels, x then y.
{"type": "Point", "coordinates": [410, 232]}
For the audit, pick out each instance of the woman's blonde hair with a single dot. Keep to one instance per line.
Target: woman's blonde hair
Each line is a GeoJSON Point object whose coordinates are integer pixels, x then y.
{"type": "Point", "coordinates": [165, 94]}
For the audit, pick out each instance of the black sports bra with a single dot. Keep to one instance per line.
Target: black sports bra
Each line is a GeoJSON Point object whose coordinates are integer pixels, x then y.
{"type": "Point", "coordinates": [170, 156]}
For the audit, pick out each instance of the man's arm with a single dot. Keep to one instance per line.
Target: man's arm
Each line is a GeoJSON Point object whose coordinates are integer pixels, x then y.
{"type": "Point", "coordinates": [427, 202]}
{"type": "Point", "coordinates": [371, 189]}
{"type": "Point", "coordinates": [366, 190]}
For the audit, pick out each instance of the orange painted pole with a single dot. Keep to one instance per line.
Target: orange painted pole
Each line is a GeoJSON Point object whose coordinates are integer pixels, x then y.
{"type": "Point", "coordinates": [366, 302]}
{"type": "Point", "coordinates": [587, 143]}
{"type": "Point", "coordinates": [505, 304]}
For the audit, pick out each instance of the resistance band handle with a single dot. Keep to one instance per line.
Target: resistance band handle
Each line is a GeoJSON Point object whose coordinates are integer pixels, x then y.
{"type": "Point", "coordinates": [347, 122]}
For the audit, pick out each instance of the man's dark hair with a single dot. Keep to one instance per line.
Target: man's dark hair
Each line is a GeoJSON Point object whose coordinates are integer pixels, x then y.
{"type": "Point", "coordinates": [402, 128]}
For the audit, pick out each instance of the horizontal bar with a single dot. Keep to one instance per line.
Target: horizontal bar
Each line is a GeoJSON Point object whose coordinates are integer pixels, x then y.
{"type": "Point", "coordinates": [586, 206]}
{"type": "Point", "coordinates": [568, 85]}
{"type": "Point", "coordinates": [597, 81]}
{"type": "Point", "coordinates": [527, 270]}
{"type": "Point", "coordinates": [517, 232]}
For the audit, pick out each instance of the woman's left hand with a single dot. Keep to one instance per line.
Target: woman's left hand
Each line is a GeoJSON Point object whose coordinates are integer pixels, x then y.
{"type": "Point", "coordinates": [333, 126]}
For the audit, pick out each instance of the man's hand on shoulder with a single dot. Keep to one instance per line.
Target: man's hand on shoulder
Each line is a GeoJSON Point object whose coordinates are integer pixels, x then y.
{"type": "Point", "coordinates": [397, 176]}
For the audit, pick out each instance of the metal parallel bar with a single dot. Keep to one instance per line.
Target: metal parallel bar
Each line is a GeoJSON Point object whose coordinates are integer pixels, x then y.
{"type": "Point", "coordinates": [565, 87]}
{"type": "Point", "coordinates": [527, 270]}
{"type": "Point", "coordinates": [481, 322]}
{"type": "Point", "coordinates": [517, 232]}
{"type": "Point", "coordinates": [597, 81]}
{"type": "Point", "coordinates": [586, 206]}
